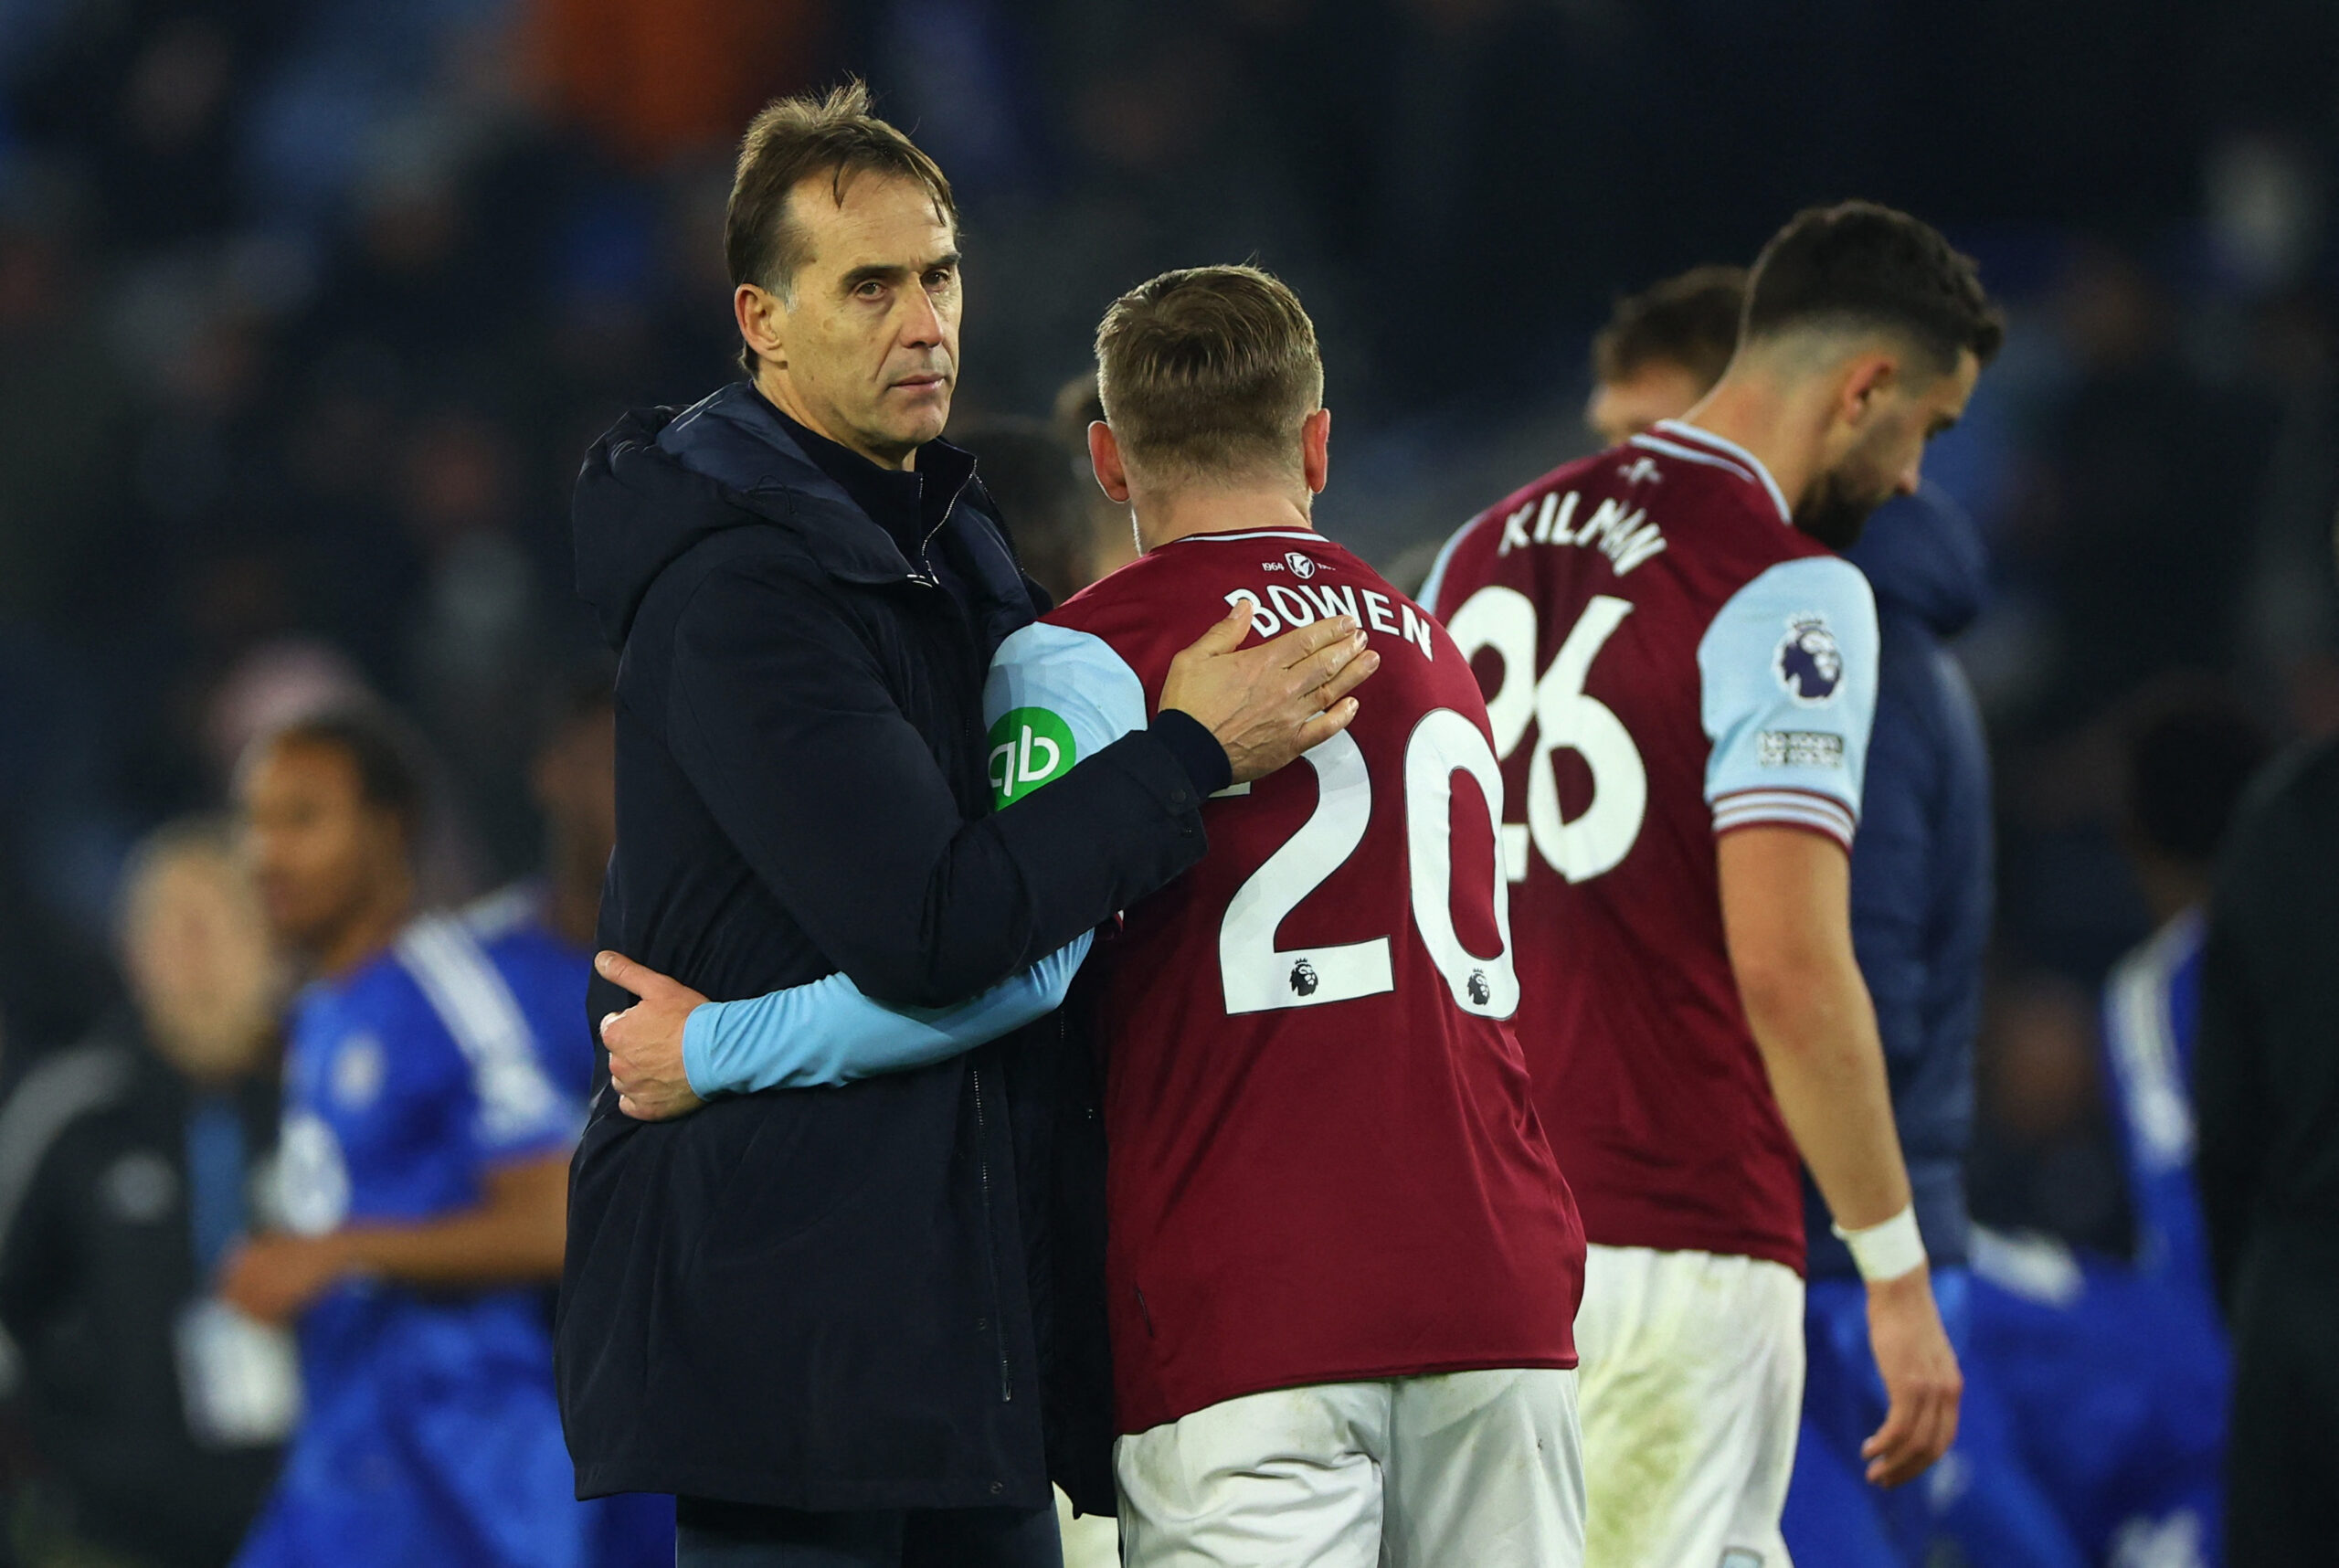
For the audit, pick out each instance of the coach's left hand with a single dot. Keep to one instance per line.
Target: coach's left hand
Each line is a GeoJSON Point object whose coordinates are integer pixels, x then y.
{"type": "Point", "coordinates": [645, 1041]}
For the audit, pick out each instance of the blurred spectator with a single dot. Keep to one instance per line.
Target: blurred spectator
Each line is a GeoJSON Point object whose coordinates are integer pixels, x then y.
{"type": "Point", "coordinates": [2267, 1079]}
{"type": "Point", "coordinates": [2152, 482]}
{"type": "Point", "coordinates": [655, 81]}
{"type": "Point", "coordinates": [130, 1167]}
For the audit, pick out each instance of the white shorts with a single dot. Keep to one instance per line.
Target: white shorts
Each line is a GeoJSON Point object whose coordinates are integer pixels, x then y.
{"type": "Point", "coordinates": [1692, 1369]}
{"type": "Point", "coordinates": [1472, 1470]}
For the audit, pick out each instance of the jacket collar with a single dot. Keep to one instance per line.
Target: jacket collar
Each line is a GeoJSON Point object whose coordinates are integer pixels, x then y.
{"type": "Point", "coordinates": [738, 440]}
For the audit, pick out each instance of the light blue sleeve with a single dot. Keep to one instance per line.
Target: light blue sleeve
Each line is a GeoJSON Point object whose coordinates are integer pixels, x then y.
{"type": "Point", "coordinates": [827, 1031]}
{"type": "Point", "coordinates": [1788, 673]}
{"type": "Point", "coordinates": [1053, 697]}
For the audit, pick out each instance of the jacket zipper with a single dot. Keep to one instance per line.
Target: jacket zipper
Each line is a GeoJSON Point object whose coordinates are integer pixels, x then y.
{"type": "Point", "coordinates": [991, 1238]}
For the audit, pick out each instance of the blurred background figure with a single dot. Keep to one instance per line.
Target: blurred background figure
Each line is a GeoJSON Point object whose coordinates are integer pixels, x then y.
{"type": "Point", "coordinates": [423, 1188]}
{"type": "Point", "coordinates": [2266, 1077]}
{"type": "Point", "coordinates": [538, 930]}
{"type": "Point", "coordinates": [537, 933]}
{"type": "Point", "coordinates": [1662, 350]}
{"type": "Point", "coordinates": [1112, 532]}
{"type": "Point", "coordinates": [2132, 1466]}
{"type": "Point", "coordinates": [1029, 472]}
{"type": "Point", "coordinates": [131, 1162]}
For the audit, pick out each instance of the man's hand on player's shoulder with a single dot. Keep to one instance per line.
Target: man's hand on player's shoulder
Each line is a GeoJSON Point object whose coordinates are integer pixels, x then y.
{"type": "Point", "coordinates": [1921, 1379]}
{"type": "Point", "coordinates": [645, 1041]}
{"type": "Point", "coordinates": [1267, 705]}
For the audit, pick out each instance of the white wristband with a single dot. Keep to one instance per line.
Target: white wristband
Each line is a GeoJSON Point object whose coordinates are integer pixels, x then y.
{"type": "Point", "coordinates": [1887, 1251]}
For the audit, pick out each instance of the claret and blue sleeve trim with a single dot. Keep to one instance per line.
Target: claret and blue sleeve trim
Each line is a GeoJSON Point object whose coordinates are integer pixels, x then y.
{"type": "Point", "coordinates": [1788, 676]}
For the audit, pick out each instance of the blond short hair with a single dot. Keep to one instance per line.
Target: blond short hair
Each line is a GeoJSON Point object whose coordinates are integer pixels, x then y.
{"type": "Point", "coordinates": [1209, 372]}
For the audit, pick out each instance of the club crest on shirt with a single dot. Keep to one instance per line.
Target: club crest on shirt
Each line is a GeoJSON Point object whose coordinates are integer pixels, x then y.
{"type": "Point", "coordinates": [357, 1069]}
{"type": "Point", "coordinates": [1808, 662]}
{"type": "Point", "coordinates": [1301, 565]}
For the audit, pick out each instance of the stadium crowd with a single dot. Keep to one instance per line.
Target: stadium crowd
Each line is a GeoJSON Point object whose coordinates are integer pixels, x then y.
{"type": "Point", "coordinates": [309, 308]}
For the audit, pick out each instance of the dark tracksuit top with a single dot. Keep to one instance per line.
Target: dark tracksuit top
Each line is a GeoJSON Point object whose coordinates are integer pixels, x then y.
{"type": "Point", "coordinates": [886, 1295]}
{"type": "Point", "coordinates": [2266, 1093]}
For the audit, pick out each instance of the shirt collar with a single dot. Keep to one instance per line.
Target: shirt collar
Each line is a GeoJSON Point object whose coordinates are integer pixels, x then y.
{"type": "Point", "coordinates": [1706, 443]}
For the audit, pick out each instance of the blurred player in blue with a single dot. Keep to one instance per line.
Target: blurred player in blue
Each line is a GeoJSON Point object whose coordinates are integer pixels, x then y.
{"type": "Point", "coordinates": [2117, 1375]}
{"type": "Point", "coordinates": [538, 932]}
{"type": "Point", "coordinates": [423, 1177]}
{"type": "Point", "coordinates": [1920, 890]}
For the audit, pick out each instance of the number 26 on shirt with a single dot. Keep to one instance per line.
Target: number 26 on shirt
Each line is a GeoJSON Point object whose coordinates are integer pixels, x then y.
{"type": "Point", "coordinates": [1566, 718]}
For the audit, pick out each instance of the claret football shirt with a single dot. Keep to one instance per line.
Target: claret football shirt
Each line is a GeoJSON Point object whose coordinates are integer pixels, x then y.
{"type": "Point", "coordinates": [1668, 660]}
{"type": "Point", "coordinates": [1324, 1162]}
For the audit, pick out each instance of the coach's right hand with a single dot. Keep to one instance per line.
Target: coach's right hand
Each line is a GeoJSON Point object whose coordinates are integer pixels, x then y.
{"type": "Point", "coordinates": [1269, 703]}
{"type": "Point", "coordinates": [645, 1041]}
{"type": "Point", "coordinates": [1920, 1379]}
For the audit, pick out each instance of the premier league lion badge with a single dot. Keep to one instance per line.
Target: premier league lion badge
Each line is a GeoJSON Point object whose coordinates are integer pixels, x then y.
{"type": "Point", "coordinates": [1808, 664]}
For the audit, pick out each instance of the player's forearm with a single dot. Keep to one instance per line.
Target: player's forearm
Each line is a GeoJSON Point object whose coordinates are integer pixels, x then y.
{"type": "Point", "coordinates": [1817, 1034]}
{"type": "Point", "coordinates": [514, 1237]}
{"type": "Point", "coordinates": [1787, 917]}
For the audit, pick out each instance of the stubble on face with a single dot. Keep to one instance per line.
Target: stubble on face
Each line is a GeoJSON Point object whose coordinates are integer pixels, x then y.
{"type": "Point", "coordinates": [1837, 507]}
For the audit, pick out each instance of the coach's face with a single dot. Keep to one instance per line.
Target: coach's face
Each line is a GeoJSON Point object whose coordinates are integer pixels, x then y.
{"type": "Point", "coordinates": [867, 334]}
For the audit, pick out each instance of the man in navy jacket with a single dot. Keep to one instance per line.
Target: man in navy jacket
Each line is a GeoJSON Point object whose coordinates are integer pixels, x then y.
{"type": "Point", "coordinates": [858, 1324]}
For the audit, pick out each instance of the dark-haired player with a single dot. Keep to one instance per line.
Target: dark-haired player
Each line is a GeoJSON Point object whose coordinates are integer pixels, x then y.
{"type": "Point", "coordinates": [1921, 918]}
{"type": "Point", "coordinates": [424, 1176]}
{"type": "Point", "coordinates": [1341, 1260]}
{"type": "Point", "coordinates": [1683, 674]}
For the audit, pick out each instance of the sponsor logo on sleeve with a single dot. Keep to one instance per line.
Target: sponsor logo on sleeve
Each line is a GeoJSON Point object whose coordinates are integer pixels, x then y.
{"type": "Point", "coordinates": [1799, 748]}
{"type": "Point", "coordinates": [1808, 662]}
{"type": "Point", "coordinates": [1028, 747]}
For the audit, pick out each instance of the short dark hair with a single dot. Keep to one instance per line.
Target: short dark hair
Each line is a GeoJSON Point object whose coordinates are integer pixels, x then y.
{"type": "Point", "coordinates": [386, 757]}
{"type": "Point", "coordinates": [1866, 265]}
{"type": "Point", "coordinates": [1690, 320]}
{"type": "Point", "coordinates": [791, 141]}
{"type": "Point", "coordinates": [1209, 368]}
{"type": "Point", "coordinates": [2190, 759]}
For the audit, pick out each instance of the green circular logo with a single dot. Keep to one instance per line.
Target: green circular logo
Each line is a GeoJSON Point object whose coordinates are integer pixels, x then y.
{"type": "Point", "coordinates": [1028, 747]}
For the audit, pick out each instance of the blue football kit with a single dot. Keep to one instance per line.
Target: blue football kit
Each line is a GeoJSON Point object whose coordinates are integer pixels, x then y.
{"type": "Point", "coordinates": [2118, 1375]}
{"type": "Point", "coordinates": [429, 1433]}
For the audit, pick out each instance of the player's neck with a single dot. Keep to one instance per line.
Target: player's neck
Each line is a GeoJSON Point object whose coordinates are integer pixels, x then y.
{"type": "Point", "coordinates": [1166, 516]}
{"type": "Point", "coordinates": [1765, 415]}
{"type": "Point", "coordinates": [370, 928]}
